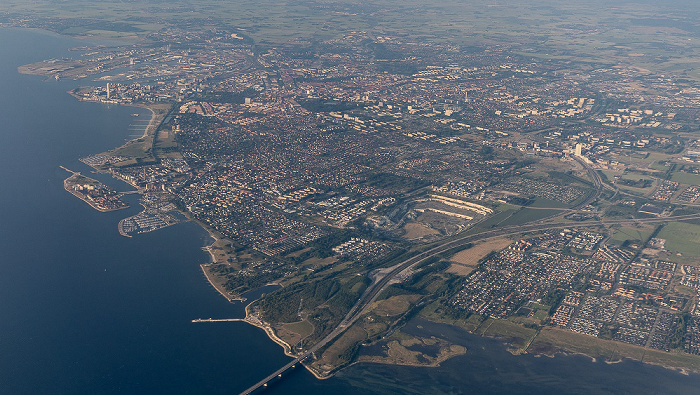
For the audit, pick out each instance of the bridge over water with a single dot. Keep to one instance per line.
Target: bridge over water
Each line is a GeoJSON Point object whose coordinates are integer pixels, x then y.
{"type": "Point", "coordinates": [375, 289]}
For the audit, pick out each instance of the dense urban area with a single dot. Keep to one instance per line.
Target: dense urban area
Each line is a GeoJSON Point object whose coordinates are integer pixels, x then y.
{"type": "Point", "coordinates": [566, 191]}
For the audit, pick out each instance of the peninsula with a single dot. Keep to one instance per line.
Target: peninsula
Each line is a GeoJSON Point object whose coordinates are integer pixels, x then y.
{"type": "Point", "coordinates": [98, 195]}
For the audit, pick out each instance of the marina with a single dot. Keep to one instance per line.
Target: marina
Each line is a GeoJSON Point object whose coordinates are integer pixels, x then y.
{"type": "Point", "coordinates": [148, 220]}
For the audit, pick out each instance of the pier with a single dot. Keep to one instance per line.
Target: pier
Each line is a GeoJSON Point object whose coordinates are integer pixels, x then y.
{"type": "Point", "coordinates": [70, 171]}
{"type": "Point", "coordinates": [134, 192]}
{"type": "Point", "coordinates": [217, 319]}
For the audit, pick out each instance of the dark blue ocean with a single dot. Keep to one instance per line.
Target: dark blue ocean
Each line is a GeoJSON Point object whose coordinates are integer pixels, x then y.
{"type": "Point", "coordinates": [84, 310]}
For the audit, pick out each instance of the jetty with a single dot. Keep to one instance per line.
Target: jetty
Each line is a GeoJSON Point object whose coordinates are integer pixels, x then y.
{"type": "Point", "coordinates": [218, 320]}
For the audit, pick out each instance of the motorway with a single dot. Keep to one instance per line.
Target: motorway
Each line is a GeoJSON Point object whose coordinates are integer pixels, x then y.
{"type": "Point", "coordinates": [375, 289]}
{"type": "Point", "coordinates": [380, 284]}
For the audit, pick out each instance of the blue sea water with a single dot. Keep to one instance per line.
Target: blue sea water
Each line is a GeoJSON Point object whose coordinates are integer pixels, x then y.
{"type": "Point", "coordinates": [84, 310]}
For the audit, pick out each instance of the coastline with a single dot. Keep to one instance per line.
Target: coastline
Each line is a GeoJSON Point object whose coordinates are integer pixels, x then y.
{"type": "Point", "coordinates": [270, 332]}
{"type": "Point", "coordinates": [220, 289]}
{"type": "Point", "coordinates": [102, 210]}
{"type": "Point", "coordinates": [83, 198]}
{"type": "Point", "coordinates": [203, 266]}
{"type": "Point", "coordinates": [139, 150]}
{"type": "Point", "coordinates": [256, 321]}
{"type": "Point", "coordinates": [682, 370]}
{"type": "Point", "coordinates": [554, 346]}
{"type": "Point", "coordinates": [144, 106]}
{"type": "Point", "coordinates": [150, 131]}
{"type": "Point", "coordinates": [646, 352]}
{"type": "Point", "coordinates": [249, 318]}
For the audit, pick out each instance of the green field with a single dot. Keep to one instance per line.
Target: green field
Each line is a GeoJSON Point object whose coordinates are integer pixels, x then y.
{"type": "Point", "coordinates": [686, 178]}
{"type": "Point", "coordinates": [541, 315]}
{"type": "Point", "coordinates": [658, 166]}
{"type": "Point", "coordinates": [517, 335]}
{"type": "Point", "coordinates": [303, 328]}
{"type": "Point", "coordinates": [540, 306]}
{"type": "Point", "coordinates": [546, 203]}
{"type": "Point", "coordinates": [636, 177]}
{"type": "Point", "coordinates": [631, 234]}
{"type": "Point", "coordinates": [682, 238]}
{"type": "Point", "coordinates": [497, 218]}
{"type": "Point", "coordinates": [527, 215]}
